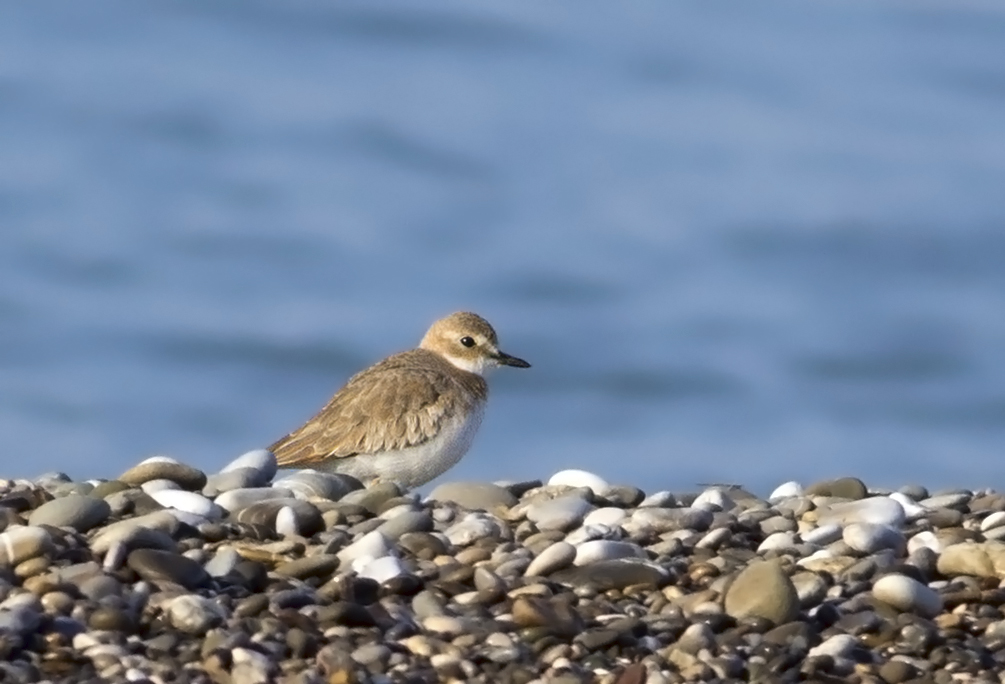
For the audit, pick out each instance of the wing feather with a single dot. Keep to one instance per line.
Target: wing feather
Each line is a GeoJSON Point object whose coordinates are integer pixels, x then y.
{"type": "Point", "coordinates": [398, 403]}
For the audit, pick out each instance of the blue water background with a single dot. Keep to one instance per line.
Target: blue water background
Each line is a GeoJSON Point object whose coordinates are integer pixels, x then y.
{"type": "Point", "coordinates": [740, 242]}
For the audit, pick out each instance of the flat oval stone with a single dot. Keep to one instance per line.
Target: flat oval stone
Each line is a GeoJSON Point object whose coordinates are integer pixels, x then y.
{"type": "Point", "coordinates": [405, 522]}
{"type": "Point", "coordinates": [908, 595]}
{"type": "Point", "coordinates": [22, 543]}
{"type": "Point", "coordinates": [373, 498]}
{"type": "Point", "coordinates": [881, 510]}
{"type": "Point", "coordinates": [153, 530]}
{"type": "Point", "coordinates": [562, 513]}
{"type": "Point", "coordinates": [843, 488]}
{"type": "Point", "coordinates": [823, 535]}
{"type": "Point", "coordinates": [871, 538]}
{"type": "Point", "coordinates": [190, 502]}
{"type": "Point", "coordinates": [103, 489]}
{"type": "Point", "coordinates": [605, 550]}
{"type": "Point", "coordinates": [223, 562]}
{"type": "Point", "coordinates": [239, 499]}
{"type": "Point", "coordinates": [309, 520]}
{"type": "Point", "coordinates": [162, 468]}
{"type": "Point", "coordinates": [79, 512]}
{"type": "Point", "coordinates": [261, 460]}
{"type": "Point", "coordinates": [310, 484]}
{"type": "Point", "coordinates": [609, 516]}
{"type": "Point", "coordinates": [474, 495]}
{"type": "Point", "coordinates": [471, 528]}
{"type": "Point", "coordinates": [662, 499]}
{"type": "Point", "coordinates": [669, 519]}
{"type": "Point", "coordinates": [321, 565]}
{"type": "Point", "coordinates": [241, 478]}
{"type": "Point", "coordinates": [154, 566]}
{"type": "Point", "coordinates": [556, 557]}
{"type": "Point", "coordinates": [613, 574]}
{"type": "Point", "coordinates": [579, 478]}
{"type": "Point", "coordinates": [779, 541]}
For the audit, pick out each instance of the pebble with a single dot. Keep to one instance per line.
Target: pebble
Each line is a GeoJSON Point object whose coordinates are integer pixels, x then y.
{"type": "Point", "coordinates": [474, 496]}
{"type": "Point", "coordinates": [19, 544]}
{"type": "Point", "coordinates": [608, 516]}
{"type": "Point", "coordinates": [562, 513]}
{"type": "Point", "coordinates": [236, 500]}
{"type": "Point", "coordinates": [787, 490]}
{"type": "Point", "coordinates": [558, 556]}
{"type": "Point", "coordinates": [871, 538]}
{"type": "Point", "coordinates": [155, 565]}
{"type": "Point", "coordinates": [189, 502]}
{"type": "Point", "coordinates": [908, 595]}
{"type": "Point", "coordinates": [615, 587]}
{"type": "Point", "coordinates": [579, 478]}
{"type": "Point", "coordinates": [262, 460]}
{"type": "Point", "coordinates": [82, 513]}
{"type": "Point", "coordinates": [162, 468]}
{"type": "Point", "coordinates": [762, 590]}
{"type": "Point", "coordinates": [369, 546]}
{"type": "Point", "coordinates": [879, 510]}
{"type": "Point", "coordinates": [311, 484]}
{"type": "Point", "coordinates": [605, 550]}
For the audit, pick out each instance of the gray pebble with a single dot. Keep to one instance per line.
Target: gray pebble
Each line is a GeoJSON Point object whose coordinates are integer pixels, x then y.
{"type": "Point", "coordinates": [154, 565]}
{"type": "Point", "coordinates": [559, 555]}
{"type": "Point", "coordinates": [562, 513]}
{"type": "Point", "coordinates": [474, 495]}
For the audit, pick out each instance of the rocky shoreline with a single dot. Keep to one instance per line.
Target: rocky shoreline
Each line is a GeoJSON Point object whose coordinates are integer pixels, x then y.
{"type": "Point", "coordinates": [169, 575]}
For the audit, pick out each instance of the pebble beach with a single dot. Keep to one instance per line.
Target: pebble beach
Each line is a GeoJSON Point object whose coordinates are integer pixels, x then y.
{"type": "Point", "coordinates": [248, 575]}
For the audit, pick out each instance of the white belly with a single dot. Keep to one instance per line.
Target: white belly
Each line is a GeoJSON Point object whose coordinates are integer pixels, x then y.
{"type": "Point", "coordinates": [417, 465]}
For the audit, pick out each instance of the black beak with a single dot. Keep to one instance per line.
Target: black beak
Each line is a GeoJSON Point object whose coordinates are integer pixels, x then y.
{"type": "Point", "coordinates": [505, 359]}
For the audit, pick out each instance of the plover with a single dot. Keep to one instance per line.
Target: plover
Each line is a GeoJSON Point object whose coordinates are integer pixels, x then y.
{"type": "Point", "coordinates": [408, 418]}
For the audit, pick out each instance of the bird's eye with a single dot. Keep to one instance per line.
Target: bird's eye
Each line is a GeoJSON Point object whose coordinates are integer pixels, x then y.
{"type": "Point", "coordinates": [468, 341]}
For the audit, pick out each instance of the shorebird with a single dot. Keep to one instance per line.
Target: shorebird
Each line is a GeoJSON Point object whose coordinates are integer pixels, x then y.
{"type": "Point", "coordinates": [409, 418]}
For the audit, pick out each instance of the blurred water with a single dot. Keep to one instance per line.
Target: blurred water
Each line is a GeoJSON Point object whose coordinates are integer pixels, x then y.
{"type": "Point", "coordinates": [739, 242]}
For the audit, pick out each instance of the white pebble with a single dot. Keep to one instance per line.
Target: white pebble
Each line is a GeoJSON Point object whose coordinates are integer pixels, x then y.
{"type": "Point", "coordinates": [151, 486]}
{"type": "Point", "coordinates": [556, 557]}
{"type": "Point", "coordinates": [926, 540]}
{"type": "Point", "coordinates": [881, 510]}
{"type": "Point", "coordinates": [713, 499]}
{"type": "Point", "coordinates": [287, 524]}
{"type": "Point", "coordinates": [787, 490]}
{"type": "Point", "coordinates": [609, 516]}
{"type": "Point", "coordinates": [190, 502]}
{"type": "Point", "coordinates": [823, 535]}
{"type": "Point", "coordinates": [580, 478]}
{"type": "Point", "coordinates": [261, 460]}
{"type": "Point", "coordinates": [907, 594]}
{"type": "Point", "coordinates": [838, 646]}
{"type": "Point", "coordinates": [372, 545]}
{"type": "Point", "coordinates": [870, 538]}
{"type": "Point", "coordinates": [996, 519]}
{"type": "Point", "coordinates": [587, 533]}
{"type": "Point", "coordinates": [912, 509]}
{"type": "Point", "coordinates": [777, 541]}
{"type": "Point", "coordinates": [381, 569]}
{"type": "Point", "coordinates": [604, 549]}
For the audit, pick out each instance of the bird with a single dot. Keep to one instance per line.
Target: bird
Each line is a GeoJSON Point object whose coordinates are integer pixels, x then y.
{"type": "Point", "coordinates": [408, 418]}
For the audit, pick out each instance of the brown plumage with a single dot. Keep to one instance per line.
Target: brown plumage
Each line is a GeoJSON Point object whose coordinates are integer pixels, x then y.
{"type": "Point", "coordinates": [409, 417]}
{"type": "Point", "coordinates": [397, 403]}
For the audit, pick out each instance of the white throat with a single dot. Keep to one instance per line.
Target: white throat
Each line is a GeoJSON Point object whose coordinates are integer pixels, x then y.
{"type": "Point", "coordinates": [478, 366]}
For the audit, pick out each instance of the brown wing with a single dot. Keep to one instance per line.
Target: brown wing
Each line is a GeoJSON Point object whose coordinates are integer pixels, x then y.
{"type": "Point", "coordinates": [397, 403]}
